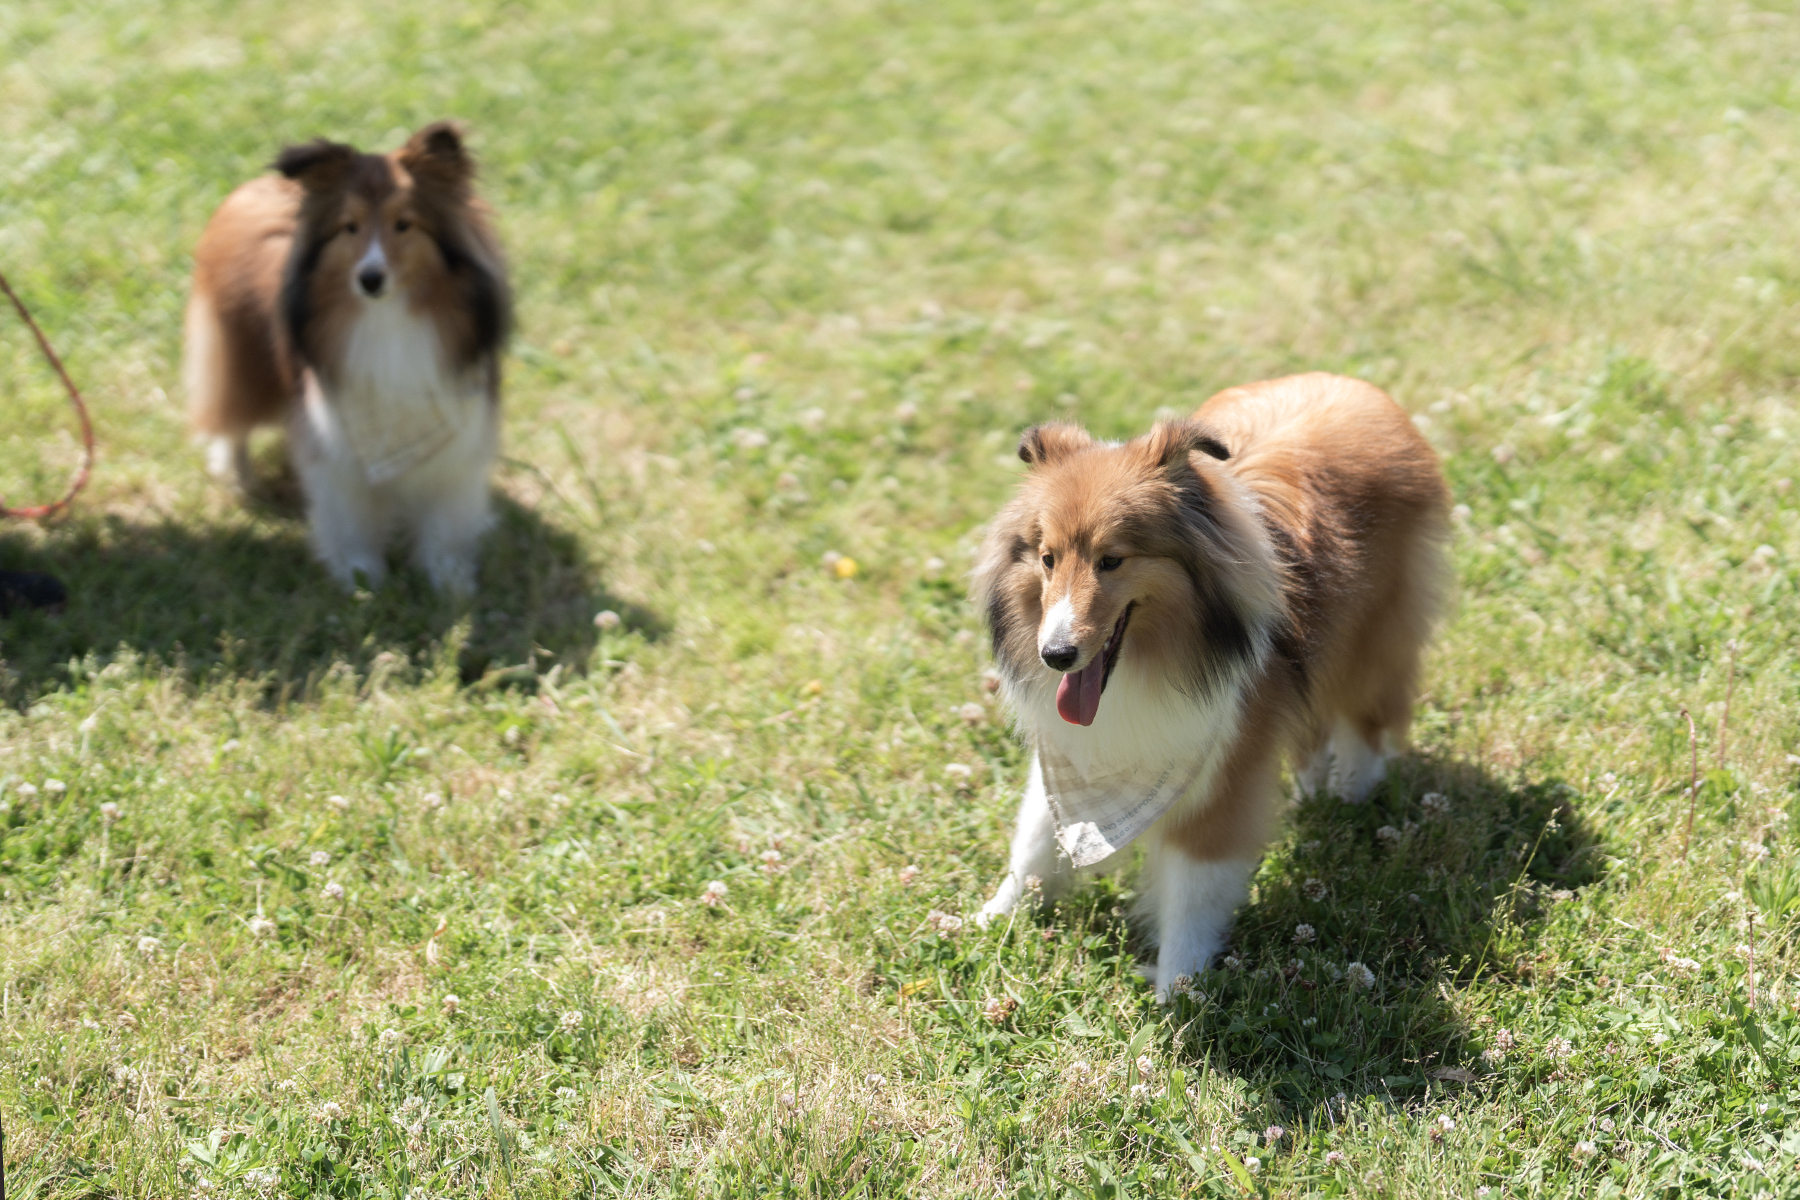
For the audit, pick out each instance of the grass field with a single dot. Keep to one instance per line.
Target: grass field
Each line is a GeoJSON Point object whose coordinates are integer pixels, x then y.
{"type": "Point", "coordinates": [404, 899]}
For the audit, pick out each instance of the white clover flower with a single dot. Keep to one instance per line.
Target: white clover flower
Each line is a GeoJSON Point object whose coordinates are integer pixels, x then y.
{"type": "Point", "coordinates": [26, 790]}
{"type": "Point", "coordinates": [109, 812]}
{"type": "Point", "coordinates": [571, 1019]}
{"type": "Point", "coordinates": [945, 923]}
{"type": "Point", "coordinates": [713, 894]}
{"type": "Point", "coordinates": [287, 1085]}
{"type": "Point", "coordinates": [877, 1082]}
{"type": "Point", "coordinates": [263, 1179]}
{"type": "Point", "coordinates": [331, 1110]}
{"type": "Point", "coordinates": [1252, 1164]}
{"type": "Point", "coordinates": [998, 1008]}
{"type": "Point", "coordinates": [1145, 1064]}
{"type": "Point", "coordinates": [149, 946]}
{"type": "Point", "coordinates": [1387, 834]}
{"type": "Point", "coordinates": [127, 1076]}
{"type": "Point", "coordinates": [1314, 889]}
{"type": "Point", "coordinates": [961, 774]}
{"type": "Point", "coordinates": [1140, 1092]}
{"type": "Point", "coordinates": [1562, 895]}
{"type": "Point", "coordinates": [1078, 1070]}
{"type": "Point", "coordinates": [412, 1104]}
{"type": "Point", "coordinates": [567, 1093]}
{"type": "Point", "coordinates": [432, 801]}
{"type": "Point", "coordinates": [972, 714]}
{"type": "Point", "coordinates": [55, 786]}
{"type": "Point", "coordinates": [933, 565]}
{"type": "Point", "coordinates": [452, 1002]}
{"type": "Point", "coordinates": [391, 1037]}
{"type": "Point", "coordinates": [908, 874]}
{"type": "Point", "coordinates": [1435, 804]}
{"type": "Point", "coordinates": [1559, 1048]}
{"type": "Point", "coordinates": [745, 438]}
{"type": "Point", "coordinates": [126, 1021]}
{"type": "Point", "coordinates": [338, 802]}
{"type": "Point", "coordinates": [771, 862]}
{"type": "Point", "coordinates": [1606, 1123]}
{"type": "Point", "coordinates": [606, 618]}
{"type": "Point", "coordinates": [1273, 1134]}
{"type": "Point", "coordinates": [1233, 963]}
{"type": "Point", "coordinates": [333, 890]}
{"type": "Point", "coordinates": [1304, 933]}
{"type": "Point", "coordinates": [1335, 1158]}
{"type": "Point", "coordinates": [320, 858]}
{"type": "Point", "coordinates": [1361, 978]}
{"type": "Point", "coordinates": [1585, 1150]}
{"type": "Point", "coordinates": [261, 926]}
{"type": "Point", "coordinates": [511, 736]}
{"type": "Point", "coordinates": [1756, 850]}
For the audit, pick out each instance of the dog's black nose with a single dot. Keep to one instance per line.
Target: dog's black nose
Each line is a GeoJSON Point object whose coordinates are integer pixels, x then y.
{"type": "Point", "coordinates": [1060, 658]}
{"type": "Point", "coordinates": [372, 280]}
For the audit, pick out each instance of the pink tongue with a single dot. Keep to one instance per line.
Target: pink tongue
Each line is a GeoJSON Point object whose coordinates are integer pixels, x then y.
{"type": "Point", "coordinates": [1078, 695]}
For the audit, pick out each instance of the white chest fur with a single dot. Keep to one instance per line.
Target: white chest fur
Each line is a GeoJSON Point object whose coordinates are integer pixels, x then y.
{"type": "Point", "coordinates": [396, 397]}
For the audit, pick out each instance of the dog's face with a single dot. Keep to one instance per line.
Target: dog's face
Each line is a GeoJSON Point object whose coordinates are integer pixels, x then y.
{"type": "Point", "coordinates": [1110, 551]}
{"type": "Point", "coordinates": [400, 228]}
{"type": "Point", "coordinates": [374, 225]}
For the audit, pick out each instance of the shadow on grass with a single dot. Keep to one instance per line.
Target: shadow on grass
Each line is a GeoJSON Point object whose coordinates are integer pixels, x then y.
{"type": "Point", "coordinates": [1445, 876]}
{"type": "Point", "coordinates": [251, 602]}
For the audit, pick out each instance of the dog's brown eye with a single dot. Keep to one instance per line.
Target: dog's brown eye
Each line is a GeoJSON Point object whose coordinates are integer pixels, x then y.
{"type": "Point", "coordinates": [350, 227]}
{"type": "Point", "coordinates": [1110, 563]}
{"type": "Point", "coordinates": [1049, 562]}
{"type": "Point", "coordinates": [402, 225]}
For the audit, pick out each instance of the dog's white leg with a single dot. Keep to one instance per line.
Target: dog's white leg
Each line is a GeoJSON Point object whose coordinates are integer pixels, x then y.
{"type": "Point", "coordinates": [228, 461]}
{"type": "Point", "coordinates": [1315, 776]}
{"type": "Point", "coordinates": [1035, 854]}
{"type": "Point", "coordinates": [348, 521]}
{"type": "Point", "coordinates": [1194, 901]}
{"type": "Point", "coordinates": [448, 532]}
{"type": "Point", "coordinates": [348, 531]}
{"type": "Point", "coordinates": [1356, 768]}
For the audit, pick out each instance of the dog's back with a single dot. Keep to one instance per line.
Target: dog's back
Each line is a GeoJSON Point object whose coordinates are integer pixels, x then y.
{"type": "Point", "coordinates": [1356, 495]}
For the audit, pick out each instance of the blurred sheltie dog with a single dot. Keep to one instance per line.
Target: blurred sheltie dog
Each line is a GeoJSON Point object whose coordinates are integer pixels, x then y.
{"type": "Point", "coordinates": [1173, 615]}
{"type": "Point", "coordinates": [362, 299]}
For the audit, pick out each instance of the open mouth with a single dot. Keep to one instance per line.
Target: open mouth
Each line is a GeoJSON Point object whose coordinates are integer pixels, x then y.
{"type": "Point", "coordinates": [1078, 695]}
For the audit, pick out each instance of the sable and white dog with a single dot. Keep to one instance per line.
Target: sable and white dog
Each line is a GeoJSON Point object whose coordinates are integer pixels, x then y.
{"type": "Point", "coordinates": [1172, 615]}
{"type": "Point", "coordinates": [362, 299]}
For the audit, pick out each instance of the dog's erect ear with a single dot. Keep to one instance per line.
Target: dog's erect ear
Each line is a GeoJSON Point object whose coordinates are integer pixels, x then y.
{"type": "Point", "coordinates": [318, 164]}
{"type": "Point", "coordinates": [435, 155]}
{"type": "Point", "coordinates": [1171, 442]}
{"type": "Point", "coordinates": [1047, 444]}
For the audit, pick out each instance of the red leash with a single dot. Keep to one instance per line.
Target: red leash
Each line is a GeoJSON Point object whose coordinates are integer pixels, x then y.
{"type": "Point", "coordinates": [87, 429]}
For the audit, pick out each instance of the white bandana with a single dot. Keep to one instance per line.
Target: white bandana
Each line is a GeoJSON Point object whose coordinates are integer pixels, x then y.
{"type": "Point", "coordinates": [1099, 815]}
{"type": "Point", "coordinates": [402, 429]}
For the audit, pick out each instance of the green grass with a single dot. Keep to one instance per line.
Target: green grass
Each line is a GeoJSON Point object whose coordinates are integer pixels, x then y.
{"type": "Point", "coordinates": [791, 279]}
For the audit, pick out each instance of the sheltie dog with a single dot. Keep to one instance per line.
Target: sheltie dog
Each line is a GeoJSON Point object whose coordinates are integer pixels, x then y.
{"type": "Point", "coordinates": [1173, 615]}
{"type": "Point", "coordinates": [362, 299]}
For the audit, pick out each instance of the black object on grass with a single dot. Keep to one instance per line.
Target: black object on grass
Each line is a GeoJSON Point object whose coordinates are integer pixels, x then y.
{"type": "Point", "coordinates": [31, 589]}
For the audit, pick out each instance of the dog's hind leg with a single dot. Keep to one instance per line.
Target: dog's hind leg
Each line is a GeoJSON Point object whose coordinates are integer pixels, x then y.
{"type": "Point", "coordinates": [228, 461]}
{"type": "Point", "coordinates": [1039, 870]}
